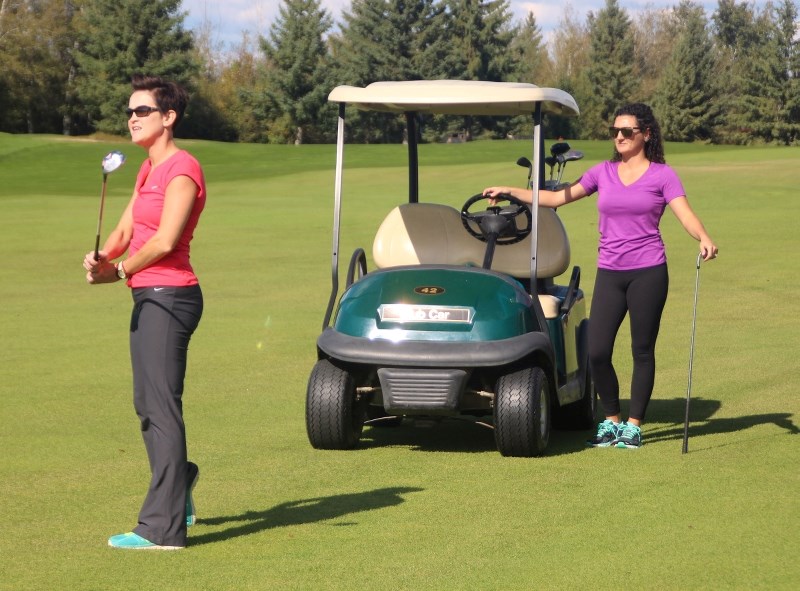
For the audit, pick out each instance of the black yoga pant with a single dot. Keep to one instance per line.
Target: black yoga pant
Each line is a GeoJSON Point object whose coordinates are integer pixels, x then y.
{"type": "Point", "coordinates": [641, 293]}
{"type": "Point", "coordinates": [162, 324]}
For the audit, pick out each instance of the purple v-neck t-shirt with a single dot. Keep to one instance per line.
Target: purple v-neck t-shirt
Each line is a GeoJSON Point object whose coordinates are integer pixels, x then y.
{"type": "Point", "coordinates": [629, 215]}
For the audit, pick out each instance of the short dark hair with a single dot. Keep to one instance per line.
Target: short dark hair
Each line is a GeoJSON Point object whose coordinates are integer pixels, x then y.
{"type": "Point", "coordinates": [646, 120]}
{"type": "Point", "coordinates": [169, 96]}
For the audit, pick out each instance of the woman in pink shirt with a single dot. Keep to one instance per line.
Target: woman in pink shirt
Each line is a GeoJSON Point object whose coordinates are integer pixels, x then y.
{"type": "Point", "coordinates": [156, 229]}
{"type": "Point", "coordinates": [634, 188]}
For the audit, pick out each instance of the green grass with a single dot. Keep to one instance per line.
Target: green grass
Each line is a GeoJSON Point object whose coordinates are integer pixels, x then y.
{"type": "Point", "coordinates": [413, 508]}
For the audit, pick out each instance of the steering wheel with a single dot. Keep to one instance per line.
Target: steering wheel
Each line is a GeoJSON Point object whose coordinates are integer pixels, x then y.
{"type": "Point", "coordinates": [502, 221]}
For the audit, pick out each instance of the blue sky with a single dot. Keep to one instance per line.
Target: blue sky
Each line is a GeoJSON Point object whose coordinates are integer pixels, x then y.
{"type": "Point", "coordinates": [229, 18]}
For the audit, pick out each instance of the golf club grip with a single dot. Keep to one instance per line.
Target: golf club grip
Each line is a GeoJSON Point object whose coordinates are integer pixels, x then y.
{"type": "Point", "coordinates": [100, 217]}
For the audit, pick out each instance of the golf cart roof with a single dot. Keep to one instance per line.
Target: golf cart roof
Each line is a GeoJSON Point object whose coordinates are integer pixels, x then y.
{"type": "Point", "coordinates": [455, 97]}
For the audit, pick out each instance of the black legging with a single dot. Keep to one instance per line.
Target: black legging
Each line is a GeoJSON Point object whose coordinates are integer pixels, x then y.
{"type": "Point", "coordinates": [642, 293]}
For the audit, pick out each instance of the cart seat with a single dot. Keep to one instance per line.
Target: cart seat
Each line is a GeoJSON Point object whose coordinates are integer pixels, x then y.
{"type": "Point", "coordinates": [432, 234]}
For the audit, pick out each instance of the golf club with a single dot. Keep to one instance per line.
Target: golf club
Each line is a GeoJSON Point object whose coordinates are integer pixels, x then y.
{"type": "Point", "coordinates": [550, 161]}
{"type": "Point", "coordinates": [570, 156]}
{"type": "Point", "coordinates": [691, 357]}
{"type": "Point", "coordinates": [559, 148]}
{"type": "Point", "coordinates": [526, 163]}
{"type": "Point", "coordinates": [111, 162]}
{"type": "Point", "coordinates": [556, 152]}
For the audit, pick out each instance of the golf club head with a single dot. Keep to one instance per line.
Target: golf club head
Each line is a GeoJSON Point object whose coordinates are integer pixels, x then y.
{"type": "Point", "coordinates": [550, 161]}
{"type": "Point", "coordinates": [524, 162]}
{"type": "Point", "coordinates": [559, 148]}
{"type": "Point", "coordinates": [112, 161]}
{"type": "Point", "coordinates": [573, 155]}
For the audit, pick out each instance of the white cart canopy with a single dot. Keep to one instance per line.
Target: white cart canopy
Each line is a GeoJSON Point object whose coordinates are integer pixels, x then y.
{"type": "Point", "coordinates": [455, 97]}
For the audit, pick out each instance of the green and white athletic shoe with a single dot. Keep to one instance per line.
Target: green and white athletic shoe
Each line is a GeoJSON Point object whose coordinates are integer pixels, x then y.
{"type": "Point", "coordinates": [607, 434]}
{"type": "Point", "coordinates": [630, 437]}
{"type": "Point", "coordinates": [132, 541]}
{"type": "Point", "coordinates": [191, 510]}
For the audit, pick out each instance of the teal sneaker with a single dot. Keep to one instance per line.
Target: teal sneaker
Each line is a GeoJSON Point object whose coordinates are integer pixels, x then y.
{"type": "Point", "coordinates": [191, 510]}
{"type": "Point", "coordinates": [132, 541]}
{"type": "Point", "coordinates": [607, 433]}
{"type": "Point", "coordinates": [630, 437]}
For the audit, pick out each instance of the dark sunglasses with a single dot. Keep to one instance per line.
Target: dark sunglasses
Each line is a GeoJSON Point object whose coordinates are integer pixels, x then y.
{"type": "Point", "coordinates": [627, 132]}
{"type": "Point", "coordinates": [143, 111]}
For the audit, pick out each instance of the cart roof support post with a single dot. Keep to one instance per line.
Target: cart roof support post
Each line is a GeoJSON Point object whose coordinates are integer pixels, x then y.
{"type": "Point", "coordinates": [337, 209]}
{"type": "Point", "coordinates": [413, 157]}
{"type": "Point", "coordinates": [536, 180]}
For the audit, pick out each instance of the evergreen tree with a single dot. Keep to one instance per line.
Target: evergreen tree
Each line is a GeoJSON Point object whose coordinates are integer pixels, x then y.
{"type": "Point", "coordinates": [758, 109]}
{"type": "Point", "coordinates": [529, 55]}
{"type": "Point", "coordinates": [384, 40]}
{"type": "Point", "coordinates": [611, 71]}
{"type": "Point", "coordinates": [786, 15]}
{"type": "Point", "coordinates": [755, 109]}
{"type": "Point", "coordinates": [117, 38]}
{"type": "Point", "coordinates": [685, 98]}
{"type": "Point", "coordinates": [479, 34]}
{"type": "Point", "coordinates": [296, 78]}
{"type": "Point", "coordinates": [733, 26]}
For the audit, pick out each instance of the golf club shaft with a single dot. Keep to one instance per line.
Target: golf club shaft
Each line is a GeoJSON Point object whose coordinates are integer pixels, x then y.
{"type": "Point", "coordinates": [691, 356]}
{"type": "Point", "coordinates": [100, 219]}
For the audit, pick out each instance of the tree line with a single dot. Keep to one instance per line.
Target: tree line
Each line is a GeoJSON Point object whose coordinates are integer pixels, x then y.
{"type": "Point", "coordinates": [729, 77]}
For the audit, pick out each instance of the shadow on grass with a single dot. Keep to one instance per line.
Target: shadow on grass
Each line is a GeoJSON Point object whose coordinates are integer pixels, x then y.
{"type": "Point", "coordinates": [447, 435]}
{"type": "Point", "coordinates": [664, 416]}
{"type": "Point", "coordinates": [702, 421]}
{"type": "Point", "coordinates": [300, 512]}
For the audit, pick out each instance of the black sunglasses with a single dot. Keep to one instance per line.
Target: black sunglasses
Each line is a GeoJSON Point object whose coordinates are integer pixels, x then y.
{"type": "Point", "coordinates": [143, 111]}
{"type": "Point", "coordinates": [627, 132]}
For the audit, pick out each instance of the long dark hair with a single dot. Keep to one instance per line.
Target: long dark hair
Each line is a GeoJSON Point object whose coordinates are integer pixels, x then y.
{"type": "Point", "coordinates": [654, 147]}
{"type": "Point", "coordinates": [168, 95]}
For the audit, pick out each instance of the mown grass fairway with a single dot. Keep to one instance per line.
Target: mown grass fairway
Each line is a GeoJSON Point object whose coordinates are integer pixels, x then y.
{"type": "Point", "coordinates": [413, 508]}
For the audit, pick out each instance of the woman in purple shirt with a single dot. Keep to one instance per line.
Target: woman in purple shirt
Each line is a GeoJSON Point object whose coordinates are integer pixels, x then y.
{"type": "Point", "coordinates": [634, 188]}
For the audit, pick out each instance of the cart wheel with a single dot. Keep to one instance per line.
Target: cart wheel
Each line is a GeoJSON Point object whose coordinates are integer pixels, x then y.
{"type": "Point", "coordinates": [334, 417]}
{"type": "Point", "coordinates": [522, 413]}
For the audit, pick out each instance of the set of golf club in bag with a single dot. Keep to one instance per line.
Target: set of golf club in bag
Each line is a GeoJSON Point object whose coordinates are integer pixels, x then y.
{"type": "Point", "coordinates": [560, 154]}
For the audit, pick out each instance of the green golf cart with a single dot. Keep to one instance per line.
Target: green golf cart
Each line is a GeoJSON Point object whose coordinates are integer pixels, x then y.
{"type": "Point", "coordinates": [462, 317]}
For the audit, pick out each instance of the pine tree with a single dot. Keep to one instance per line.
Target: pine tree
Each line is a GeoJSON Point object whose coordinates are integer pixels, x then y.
{"type": "Point", "coordinates": [296, 77]}
{"type": "Point", "coordinates": [529, 54]}
{"type": "Point", "coordinates": [611, 71]}
{"type": "Point", "coordinates": [786, 15]}
{"type": "Point", "coordinates": [386, 40]}
{"type": "Point", "coordinates": [685, 98]}
{"type": "Point", "coordinates": [755, 68]}
{"type": "Point", "coordinates": [480, 35]}
{"type": "Point", "coordinates": [117, 38]}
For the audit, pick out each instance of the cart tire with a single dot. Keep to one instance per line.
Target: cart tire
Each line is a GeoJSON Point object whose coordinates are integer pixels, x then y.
{"type": "Point", "coordinates": [522, 413]}
{"type": "Point", "coordinates": [334, 417]}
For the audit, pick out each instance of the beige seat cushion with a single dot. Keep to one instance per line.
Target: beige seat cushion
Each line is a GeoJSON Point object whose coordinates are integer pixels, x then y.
{"type": "Point", "coordinates": [429, 233]}
{"type": "Point", "coordinates": [550, 305]}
